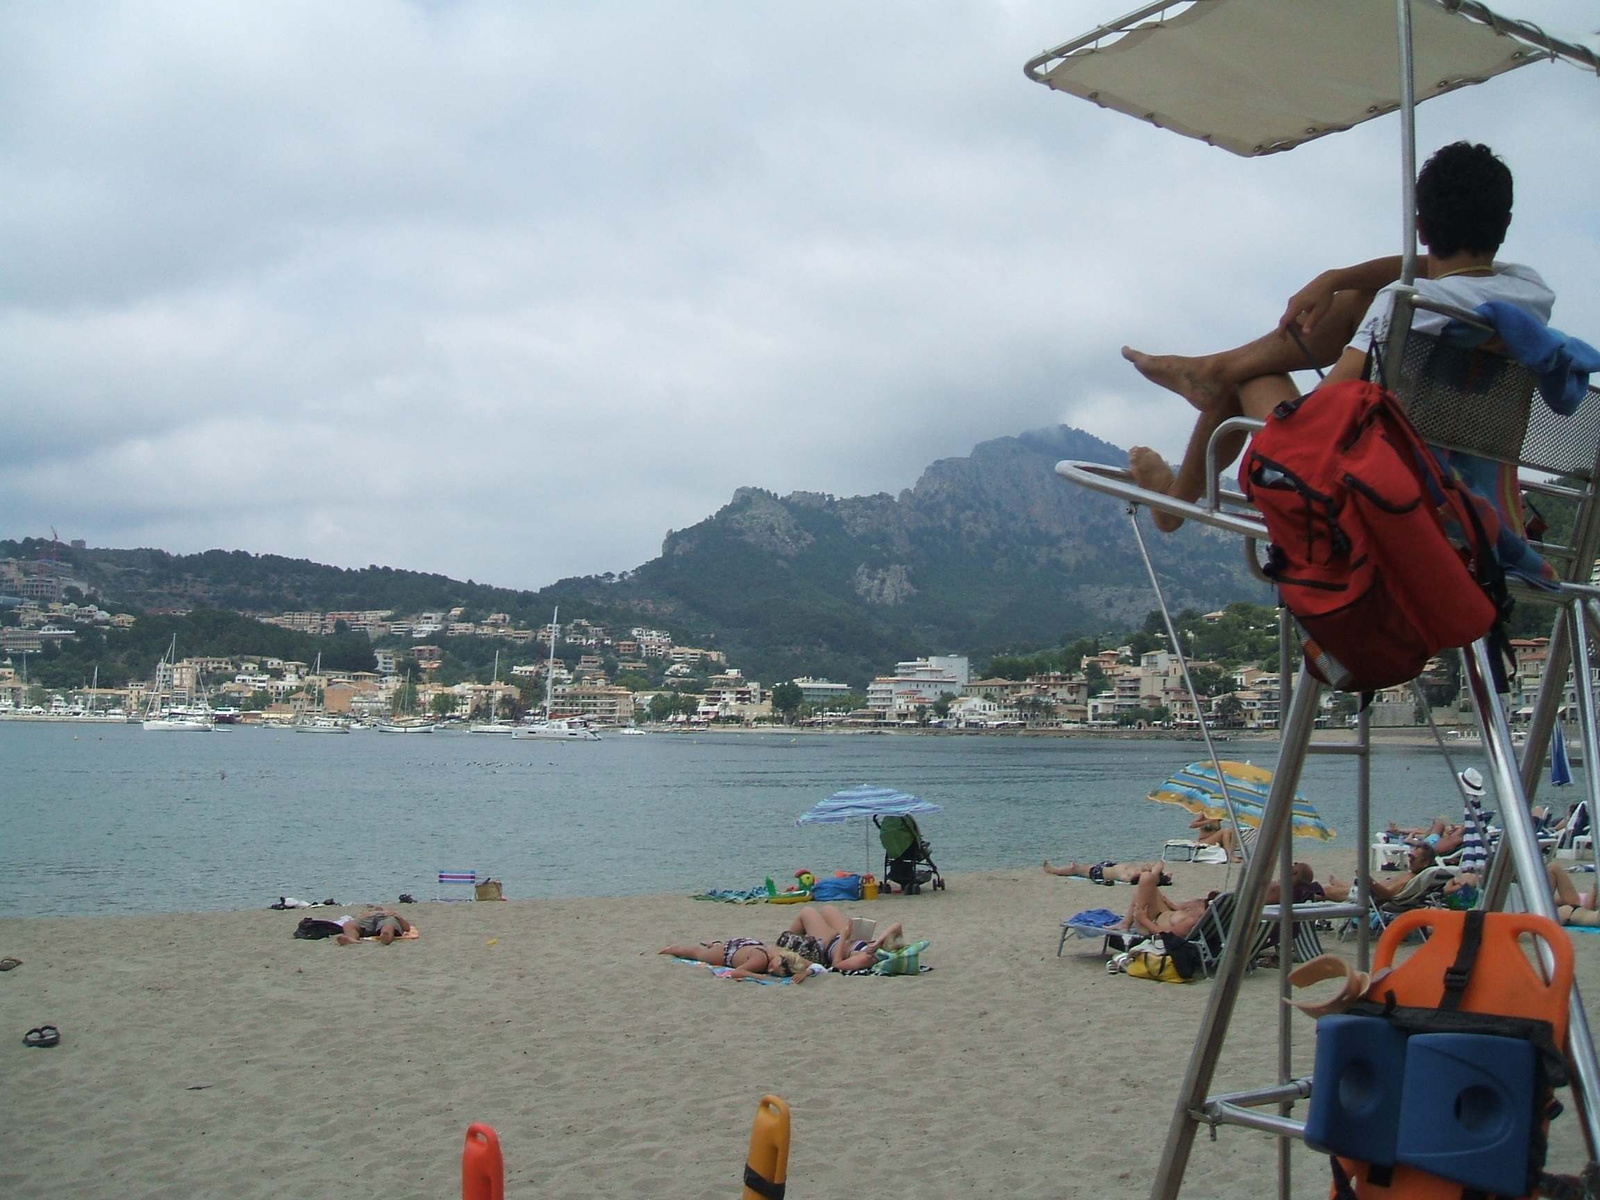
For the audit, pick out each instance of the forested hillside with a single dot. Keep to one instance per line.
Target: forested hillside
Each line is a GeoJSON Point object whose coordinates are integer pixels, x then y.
{"type": "Point", "coordinates": [987, 553]}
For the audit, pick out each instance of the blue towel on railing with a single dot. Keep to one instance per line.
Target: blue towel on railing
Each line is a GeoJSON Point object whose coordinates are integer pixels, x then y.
{"type": "Point", "coordinates": [1563, 364]}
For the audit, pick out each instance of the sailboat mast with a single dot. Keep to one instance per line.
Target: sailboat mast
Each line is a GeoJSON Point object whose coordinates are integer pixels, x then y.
{"type": "Point", "coordinates": [550, 670]}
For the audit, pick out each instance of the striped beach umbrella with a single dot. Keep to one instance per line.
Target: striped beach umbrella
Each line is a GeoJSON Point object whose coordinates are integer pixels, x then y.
{"type": "Point", "coordinates": [1198, 789]}
{"type": "Point", "coordinates": [865, 801]}
{"type": "Point", "coordinates": [1474, 828]}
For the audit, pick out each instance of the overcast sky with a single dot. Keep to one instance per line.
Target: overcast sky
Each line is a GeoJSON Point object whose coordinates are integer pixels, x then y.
{"type": "Point", "coordinates": [507, 290]}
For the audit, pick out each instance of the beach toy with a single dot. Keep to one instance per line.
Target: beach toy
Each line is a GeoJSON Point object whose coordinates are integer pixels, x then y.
{"type": "Point", "coordinates": [767, 1164]}
{"type": "Point", "coordinates": [1466, 1110]}
{"type": "Point", "coordinates": [807, 880]}
{"type": "Point", "coordinates": [483, 1171]}
{"type": "Point", "coordinates": [869, 888]}
{"type": "Point", "coordinates": [774, 896]}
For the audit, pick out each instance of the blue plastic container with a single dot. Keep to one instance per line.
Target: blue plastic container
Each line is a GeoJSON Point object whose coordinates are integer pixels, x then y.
{"type": "Point", "coordinates": [1466, 1110]}
{"type": "Point", "coordinates": [1356, 1085]}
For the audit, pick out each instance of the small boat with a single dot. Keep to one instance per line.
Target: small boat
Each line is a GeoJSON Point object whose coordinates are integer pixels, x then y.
{"type": "Point", "coordinates": [320, 725]}
{"type": "Point", "coordinates": [416, 725]}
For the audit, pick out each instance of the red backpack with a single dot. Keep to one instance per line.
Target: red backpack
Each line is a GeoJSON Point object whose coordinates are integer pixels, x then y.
{"type": "Point", "coordinates": [1358, 510]}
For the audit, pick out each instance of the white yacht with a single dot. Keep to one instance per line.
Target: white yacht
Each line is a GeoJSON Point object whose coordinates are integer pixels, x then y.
{"type": "Point", "coordinates": [167, 717]}
{"type": "Point", "coordinates": [556, 729]}
{"type": "Point", "coordinates": [319, 722]}
{"type": "Point", "coordinates": [493, 725]}
{"type": "Point", "coordinates": [320, 725]}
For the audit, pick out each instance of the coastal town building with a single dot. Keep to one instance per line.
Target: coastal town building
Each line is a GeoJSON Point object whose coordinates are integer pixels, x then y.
{"type": "Point", "coordinates": [918, 683]}
{"type": "Point", "coordinates": [820, 693]}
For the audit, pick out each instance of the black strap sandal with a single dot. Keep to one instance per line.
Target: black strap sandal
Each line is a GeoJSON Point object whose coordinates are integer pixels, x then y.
{"type": "Point", "coordinates": [45, 1035]}
{"type": "Point", "coordinates": [8, 963]}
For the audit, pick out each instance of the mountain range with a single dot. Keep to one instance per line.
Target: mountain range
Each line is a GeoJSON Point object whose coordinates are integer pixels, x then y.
{"type": "Point", "coordinates": [987, 552]}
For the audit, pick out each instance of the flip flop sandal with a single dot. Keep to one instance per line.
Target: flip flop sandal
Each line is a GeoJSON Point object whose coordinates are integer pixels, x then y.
{"type": "Point", "coordinates": [45, 1035]}
{"type": "Point", "coordinates": [7, 964]}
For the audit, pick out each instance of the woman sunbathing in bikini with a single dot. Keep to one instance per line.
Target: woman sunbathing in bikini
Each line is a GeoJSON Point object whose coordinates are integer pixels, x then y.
{"type": "Point", "coordinates": [1572, 906]}
{"type": "Point", "coordinates": [749, 958]}
{"type": "Point", "coordinates": [1152, 912]}
{"type": "Point", "coordinates": [822, 935]}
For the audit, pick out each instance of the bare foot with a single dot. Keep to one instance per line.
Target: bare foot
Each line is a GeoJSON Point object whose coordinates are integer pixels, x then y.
{"type": "Point", "coordinates": [1188, 377]}
{"type": "Point", "coordinates": [344, 939]}
{"type": "Point", "coordinates": [1151, 472]}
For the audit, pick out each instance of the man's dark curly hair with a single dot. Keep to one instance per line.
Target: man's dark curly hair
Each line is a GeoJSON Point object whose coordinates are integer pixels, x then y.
{"type": "Point", "coordinates": [1463, 200]}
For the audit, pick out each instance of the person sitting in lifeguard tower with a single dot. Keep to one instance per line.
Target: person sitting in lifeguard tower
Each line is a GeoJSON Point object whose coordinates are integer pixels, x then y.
{"type": "Point", "coordinates": [1464, 197]}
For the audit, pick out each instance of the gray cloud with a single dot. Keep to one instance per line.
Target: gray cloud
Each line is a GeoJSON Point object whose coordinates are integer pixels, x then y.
{"type": "Point", "coordinates": [508, 291]}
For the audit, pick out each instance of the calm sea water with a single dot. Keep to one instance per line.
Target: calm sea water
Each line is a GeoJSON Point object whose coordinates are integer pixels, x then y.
{"type": "Point", "coordinates": [113, 819]}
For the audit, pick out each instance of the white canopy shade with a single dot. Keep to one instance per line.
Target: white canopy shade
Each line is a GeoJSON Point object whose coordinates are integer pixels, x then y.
{"type": "Point", "coordinates": [1259, 76]}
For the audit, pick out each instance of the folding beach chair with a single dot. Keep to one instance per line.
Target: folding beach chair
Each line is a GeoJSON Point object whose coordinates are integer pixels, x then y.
{"type": "Point", "coordinates": [1216, 925]}
{"type": "Point", "coordinates": [457, 879]}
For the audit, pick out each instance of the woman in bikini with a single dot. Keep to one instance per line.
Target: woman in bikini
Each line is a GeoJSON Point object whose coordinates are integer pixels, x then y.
{"type": "Point", "coordinates": [1572, 906]}
{"type": "Point", "coordinates": [822, 935]}
{"type": "Point", "coordinates": [749, 958]}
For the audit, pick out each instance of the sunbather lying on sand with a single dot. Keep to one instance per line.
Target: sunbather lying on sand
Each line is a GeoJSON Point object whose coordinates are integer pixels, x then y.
{"type": "Point", "coordinates": [749, 958]}
{"type": "Point", "coordinates": [822, 935]}
{"type": "Point", "coordinates": [380, 923]}
{"type": "Point", "coordinates": [1108, 871]}
{"type": "Point", "coordinates": [1572, 906]}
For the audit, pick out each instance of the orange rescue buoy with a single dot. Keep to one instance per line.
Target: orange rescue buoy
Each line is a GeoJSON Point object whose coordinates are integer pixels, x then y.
{"type": "Point", "coordinates": [483, 1171]}
{"type": "Point", "coordinates": [767, 1165]}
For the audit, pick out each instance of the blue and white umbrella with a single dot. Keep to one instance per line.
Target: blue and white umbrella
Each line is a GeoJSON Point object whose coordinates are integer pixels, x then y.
{"type": "Point", "coordinates": [866, 801]}
{"type": "Point", "coordinates": [862, 803]}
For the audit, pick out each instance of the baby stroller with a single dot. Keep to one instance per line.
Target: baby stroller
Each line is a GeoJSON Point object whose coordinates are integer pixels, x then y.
{"type": "Point", "coordinates": [905, 855]}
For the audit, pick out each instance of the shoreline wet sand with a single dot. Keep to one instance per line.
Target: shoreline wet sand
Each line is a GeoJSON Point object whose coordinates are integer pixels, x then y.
{"type": "Point", "coordinates": [214, 1053]}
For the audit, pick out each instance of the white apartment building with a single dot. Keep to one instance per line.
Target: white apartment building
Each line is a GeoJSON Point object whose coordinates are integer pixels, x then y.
{"type": "Point", "coordinates": [921, 681]}
{"type": "Point", "coordinates": [820, 691]}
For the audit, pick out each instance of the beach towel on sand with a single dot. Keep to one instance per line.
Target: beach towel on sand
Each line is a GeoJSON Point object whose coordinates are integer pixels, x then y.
{"type": "Point", "coordinates": [727, 972]}
{"type": "Point", "coordinates": [755, 895]}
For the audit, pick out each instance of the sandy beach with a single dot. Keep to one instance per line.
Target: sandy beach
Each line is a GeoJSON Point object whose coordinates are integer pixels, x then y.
{"type": "Point", "coordinates": [216, 1055]}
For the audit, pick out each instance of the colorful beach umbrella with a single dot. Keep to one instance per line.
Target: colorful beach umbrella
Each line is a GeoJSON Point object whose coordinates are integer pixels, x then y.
{"type": "Point", "coordinates": [1198, 789]}
{"type": "Point", "coordinates": [865, 801]}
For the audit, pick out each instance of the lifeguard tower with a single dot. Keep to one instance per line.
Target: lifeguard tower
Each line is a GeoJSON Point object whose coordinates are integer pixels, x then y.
{"type": "Point", "coordinates": [1258, 77]}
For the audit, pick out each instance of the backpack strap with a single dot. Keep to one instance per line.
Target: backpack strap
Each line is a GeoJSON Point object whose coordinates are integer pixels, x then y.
{"type": "Point", "coordinates": [1459, 973]}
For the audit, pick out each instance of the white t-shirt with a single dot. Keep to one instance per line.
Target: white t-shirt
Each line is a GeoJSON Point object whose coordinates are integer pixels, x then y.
{"type": "Point", "coordinates": [1511, 282]}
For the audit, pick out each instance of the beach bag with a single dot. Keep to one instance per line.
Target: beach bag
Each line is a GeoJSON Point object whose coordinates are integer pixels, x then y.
{"type": "Point", "coordinates": [313, 928]}
{"type": "Point", "coordinates": [1175, 962]}
{"type": "Point", "coordinates": [841, 887]}
{"type": "Point", "coordinates": [489, 889]}
{"type": "Point", "coordinates": [1362, 517]}
{"type": "Point", "coordinates": [904, 960]}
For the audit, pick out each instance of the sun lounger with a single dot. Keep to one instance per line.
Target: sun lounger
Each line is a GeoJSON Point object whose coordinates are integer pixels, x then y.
{"type": "Point", "coordinates": [1096, 923]}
